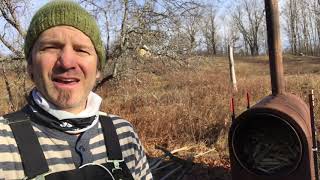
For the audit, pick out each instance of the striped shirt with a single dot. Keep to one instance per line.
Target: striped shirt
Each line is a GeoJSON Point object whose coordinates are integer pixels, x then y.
{"type": "Point", "coordinates": [66, 152]}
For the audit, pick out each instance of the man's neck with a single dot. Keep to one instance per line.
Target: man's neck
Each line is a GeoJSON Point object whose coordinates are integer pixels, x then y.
{"type": "Point", "coordinates": [91, 108]}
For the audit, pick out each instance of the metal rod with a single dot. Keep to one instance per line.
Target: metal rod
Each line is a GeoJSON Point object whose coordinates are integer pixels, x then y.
{"type": "Point", "coordinates": [248, 101]}
{"type": "Point", "coordinates": [274, 45]}
{"type": "Point", "coordinates": [233, 116]}
{"type": "Point", "coordinates": [314, 135]}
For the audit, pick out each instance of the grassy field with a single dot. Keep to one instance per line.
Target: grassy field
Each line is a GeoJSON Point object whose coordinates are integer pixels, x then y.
{"type": "Point", "coordinates": [190, 106]}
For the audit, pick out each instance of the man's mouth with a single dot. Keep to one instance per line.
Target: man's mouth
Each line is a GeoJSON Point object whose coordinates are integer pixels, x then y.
{"type": "Point", "coordinates": [65, 81]}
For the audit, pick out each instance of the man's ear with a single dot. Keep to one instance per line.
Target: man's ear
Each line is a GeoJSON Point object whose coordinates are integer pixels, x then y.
{"type": "Point", "coordinates": [98, 75]}
{"type": "Point", "coordinates": [29, 71]}
{"type": "Point", "coordinates": [29, 67]}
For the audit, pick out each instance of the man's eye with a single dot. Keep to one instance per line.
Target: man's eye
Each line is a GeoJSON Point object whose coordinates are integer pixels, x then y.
{"type": "Point", "coordinates": [82, 51]}
{"type": "Point", "coordinates": [48, 48]}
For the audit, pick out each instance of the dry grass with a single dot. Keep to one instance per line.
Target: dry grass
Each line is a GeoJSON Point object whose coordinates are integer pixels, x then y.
{"type": "Point", "coordinates": [176, 107]}
{"type": "Point", "coordinates": [190, 106]}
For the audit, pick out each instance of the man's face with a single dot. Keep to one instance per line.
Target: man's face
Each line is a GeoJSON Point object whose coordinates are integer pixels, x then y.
{"type": "Point", "coordinates": [64, 67]}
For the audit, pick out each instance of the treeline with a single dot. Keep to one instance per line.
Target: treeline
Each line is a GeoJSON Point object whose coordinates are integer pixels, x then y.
{"type": "Point", "coordinates": [302, 19]}
{"type": "Point", "coordinates": [173, 28]}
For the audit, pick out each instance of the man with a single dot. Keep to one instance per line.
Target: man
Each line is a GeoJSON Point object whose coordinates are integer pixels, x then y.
{"type": "Point", "coordinates": [61, 134]}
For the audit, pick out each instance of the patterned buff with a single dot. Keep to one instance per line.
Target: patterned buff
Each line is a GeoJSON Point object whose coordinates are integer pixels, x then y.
{"type": "Point", "coordinates": [45, 113]}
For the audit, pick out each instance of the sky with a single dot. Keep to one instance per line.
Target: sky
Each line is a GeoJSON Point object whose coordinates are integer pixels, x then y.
{"type": "Point", "coordinates": [224, 4]}
{"type": "Point", "coordinates": [223, 7]}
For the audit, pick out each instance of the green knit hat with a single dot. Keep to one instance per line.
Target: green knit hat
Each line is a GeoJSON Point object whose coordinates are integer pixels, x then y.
{"type": "Point", "coordinates": [69, 13]}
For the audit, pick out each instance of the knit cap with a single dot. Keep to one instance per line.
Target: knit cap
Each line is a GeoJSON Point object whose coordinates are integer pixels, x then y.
{"type": "Point", "coordinates": [68, 13]}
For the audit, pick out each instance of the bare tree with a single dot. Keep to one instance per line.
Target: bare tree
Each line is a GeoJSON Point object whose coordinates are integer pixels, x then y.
{"type": "Point", "coordinates": [12, 66]}
{"type": "Point", "coordinates": [303, 26]}
{"type": "Point", "coordinates": [13, 33]}
{"type": "Point", "coordinates": [155, 24]}
{"type": "Point", "coordinates": [191, 26]}
{"type": "Point", "coordinates": [249, 17]}
{"type": "Point", "coordinates": [210, 31]}
{"type": "Point", "coordinates": [291, 13]}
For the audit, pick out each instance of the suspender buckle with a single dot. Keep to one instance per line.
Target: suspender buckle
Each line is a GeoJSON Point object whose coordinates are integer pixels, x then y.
{"type": "Point", "coordinates": [116, 164]}
{"type": "Point", "coordinates": [39, 177]}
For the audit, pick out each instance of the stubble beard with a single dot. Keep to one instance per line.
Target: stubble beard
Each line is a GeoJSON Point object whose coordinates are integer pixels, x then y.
{"type": "Point", "coordinates": [63, 98]}
{"type": "Point", "coordinates": [60, 98]}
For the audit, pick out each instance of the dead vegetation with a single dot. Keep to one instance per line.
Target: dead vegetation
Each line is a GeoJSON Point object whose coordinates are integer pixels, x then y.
{"type": "Point", "coordinates": [188, 106]}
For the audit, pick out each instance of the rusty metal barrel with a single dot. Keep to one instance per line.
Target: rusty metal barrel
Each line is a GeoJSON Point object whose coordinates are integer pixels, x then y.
{"type": "Point", "coordinates": [272, 140]}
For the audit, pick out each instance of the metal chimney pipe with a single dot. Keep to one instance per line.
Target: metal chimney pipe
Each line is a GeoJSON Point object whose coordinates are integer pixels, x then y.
{"type": "Point", "coordinates": [274, 44]}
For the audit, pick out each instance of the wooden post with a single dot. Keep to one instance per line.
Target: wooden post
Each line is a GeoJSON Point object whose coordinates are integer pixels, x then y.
{"type": "Point", "coordinates": [232, 71]}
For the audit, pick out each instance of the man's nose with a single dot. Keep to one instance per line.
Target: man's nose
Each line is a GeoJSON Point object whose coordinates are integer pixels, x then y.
{"type": "Point", "coordinates": [67, 58]}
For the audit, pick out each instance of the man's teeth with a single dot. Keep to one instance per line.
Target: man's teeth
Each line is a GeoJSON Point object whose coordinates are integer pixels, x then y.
{"type": "Point", "coordinates": [66, 80]}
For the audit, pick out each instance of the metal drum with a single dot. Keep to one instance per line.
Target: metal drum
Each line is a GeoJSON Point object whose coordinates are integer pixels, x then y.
{"type": "Point", "coordinates": [272, 141]}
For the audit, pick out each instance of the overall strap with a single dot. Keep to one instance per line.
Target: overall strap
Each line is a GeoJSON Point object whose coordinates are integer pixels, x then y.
{"type": "Point", "coordinates": [115, 160]}
{"type": "Point", "coordinates": [111, 138]}
{"type": "Point", "coordinates": [33, 160]}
